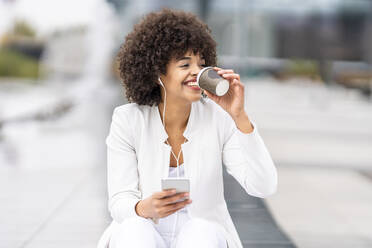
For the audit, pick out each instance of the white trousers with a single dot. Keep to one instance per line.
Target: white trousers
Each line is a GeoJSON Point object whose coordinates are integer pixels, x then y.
{"type": "Point", "coordinates": [194, 233]}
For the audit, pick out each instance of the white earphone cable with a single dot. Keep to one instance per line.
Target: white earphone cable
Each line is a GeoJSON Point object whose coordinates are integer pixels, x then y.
{"type": "Point", "coordinates": [177, 158]}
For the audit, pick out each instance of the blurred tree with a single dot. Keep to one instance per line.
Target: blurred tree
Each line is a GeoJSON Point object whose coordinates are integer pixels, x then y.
{"type": "Point", "coordinates": [20, 30]}
{"type": "Point", "coordinates": [23, 28]}
{"type": "Point", "coordinates": [15, 64]}
{"type": "Point", "coordinates": [21, 38]}
{"type": "Point", "coordinates": [20, 51]}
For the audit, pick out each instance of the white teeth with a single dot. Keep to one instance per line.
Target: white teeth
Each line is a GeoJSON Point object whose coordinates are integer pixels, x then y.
{"type": "Point", "coordinates": [192, 84]}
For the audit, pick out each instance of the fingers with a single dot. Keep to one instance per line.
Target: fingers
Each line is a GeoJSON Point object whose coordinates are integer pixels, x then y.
{"type": "Point", "coordinates": [165, 202]}
{"type": "Point", "coordinates": [227, 73]}
{"type": "Point", "coordinates": [177, 205]}
{"type": "Point", "coordinates": [164, 193]}
{"type": "Point", "coordinates": [170, 209]}
{"type": "Point", "coordinates": [222, 71]}
{"type": "Point", "coordinates": [175, 198]}
{"type": "Point", "coordinates": [231, 76]}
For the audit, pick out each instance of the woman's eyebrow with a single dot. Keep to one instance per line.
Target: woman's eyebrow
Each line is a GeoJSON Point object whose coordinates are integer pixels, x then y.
{"type": "Point", "coordinates": [187, 58]}
{"type": "Point", "coordinates": [184, 58]}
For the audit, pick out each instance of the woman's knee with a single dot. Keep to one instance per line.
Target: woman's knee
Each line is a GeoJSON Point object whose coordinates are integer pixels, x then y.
{"type": "Point", "coordinates": [135, 225]}
{"type": "Point", "coordinates": [131, 231]}
{"type": "Point", "coordinates": [202, 227]}
{"type": "Point", "coordinates": [202, 233]}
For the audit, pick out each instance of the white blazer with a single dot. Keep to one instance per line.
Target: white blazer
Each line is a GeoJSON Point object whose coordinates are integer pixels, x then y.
{"type": "Point", "coordinates": [137, 159]}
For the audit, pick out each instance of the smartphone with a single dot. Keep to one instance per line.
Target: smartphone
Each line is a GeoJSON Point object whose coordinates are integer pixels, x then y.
{"type": "Point", "coordinates": [181, 185]}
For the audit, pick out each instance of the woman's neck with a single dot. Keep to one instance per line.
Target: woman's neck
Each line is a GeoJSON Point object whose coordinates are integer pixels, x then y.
{"type": "Point", "coordinates": [176, 115]}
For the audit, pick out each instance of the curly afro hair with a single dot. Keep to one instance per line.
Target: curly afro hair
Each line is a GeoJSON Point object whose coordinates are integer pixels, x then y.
{"type": "Point", "coordinates": [154, 41]}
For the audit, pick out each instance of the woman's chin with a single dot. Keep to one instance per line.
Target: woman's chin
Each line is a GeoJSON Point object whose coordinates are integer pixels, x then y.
{"type": "Point", "coordinates": [196, 98]}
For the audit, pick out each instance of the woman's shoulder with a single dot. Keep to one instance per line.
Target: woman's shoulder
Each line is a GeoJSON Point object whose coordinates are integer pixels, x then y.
{"type": "Point", "coordinates": [131, 109]}
{"type": "Point", "coordinates": [206, 108]}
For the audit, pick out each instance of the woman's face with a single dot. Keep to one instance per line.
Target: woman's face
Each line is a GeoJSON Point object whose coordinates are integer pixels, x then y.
{"type": "Point", "coordinates": [179, 72]}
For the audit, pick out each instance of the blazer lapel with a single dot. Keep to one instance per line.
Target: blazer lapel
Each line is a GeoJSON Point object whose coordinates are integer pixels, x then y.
{"type": "Point", "coordinates": [189, 149]}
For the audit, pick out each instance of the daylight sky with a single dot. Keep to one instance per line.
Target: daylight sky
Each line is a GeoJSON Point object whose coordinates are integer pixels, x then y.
{"type": "Point", "coordinates": [47, 15]}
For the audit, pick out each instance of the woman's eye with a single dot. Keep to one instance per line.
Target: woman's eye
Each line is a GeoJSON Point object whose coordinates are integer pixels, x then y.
{"type": "Point", "coordinates": [186, 65]}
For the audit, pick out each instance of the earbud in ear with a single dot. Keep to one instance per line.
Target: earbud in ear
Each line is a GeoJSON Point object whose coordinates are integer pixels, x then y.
{"type": "Point", "coordinates": [160, 82]}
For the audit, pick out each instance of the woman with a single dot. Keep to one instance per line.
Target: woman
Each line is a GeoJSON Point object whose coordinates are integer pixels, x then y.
{"type": "Point", "coordinates": [168, 125]}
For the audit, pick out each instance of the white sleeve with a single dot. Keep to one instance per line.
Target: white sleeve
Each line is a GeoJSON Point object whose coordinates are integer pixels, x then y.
{"type": "Point", "coordinates": [122, 173]}
{"type": "Point", "coordinates": [247, 159]}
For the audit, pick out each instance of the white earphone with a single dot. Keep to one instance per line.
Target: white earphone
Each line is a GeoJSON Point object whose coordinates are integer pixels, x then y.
{"type": "Point", "coordinates": [165, 101]}
{"type": "Point", "coordinates": [160, 82]}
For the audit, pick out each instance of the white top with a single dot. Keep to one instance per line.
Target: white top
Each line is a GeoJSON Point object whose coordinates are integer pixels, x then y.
{"type": "Point", "coordinates": [166, 224]}
{"type": "Point", "coordinates": [173, 171]}
{"type": "Point", "coordinates": [138, 158]}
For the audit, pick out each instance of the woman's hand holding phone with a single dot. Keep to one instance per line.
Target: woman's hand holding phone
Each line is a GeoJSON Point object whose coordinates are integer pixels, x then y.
{"type": "Point", "coordinates": [161, 204]}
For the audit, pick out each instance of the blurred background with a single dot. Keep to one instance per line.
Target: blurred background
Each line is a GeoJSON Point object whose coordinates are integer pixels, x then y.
{"type": "Point", "coordinates": [307, 70]}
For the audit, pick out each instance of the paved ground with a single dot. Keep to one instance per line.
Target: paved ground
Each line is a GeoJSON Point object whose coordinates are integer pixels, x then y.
{"type": "Point", "coordinates": [322, 207]}
{"type": "Point", "coordinates": [255, 224]}
{"type": "Point", "coordinates": [320, 143]}
{"type": "Point", "coordinates": [52, 207]}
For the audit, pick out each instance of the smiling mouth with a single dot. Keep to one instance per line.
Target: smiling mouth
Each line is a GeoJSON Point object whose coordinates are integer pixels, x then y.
{"type": "Point", "coordinates": [191, 83]}
{"type": "Point", "coordinates": [194, 87]}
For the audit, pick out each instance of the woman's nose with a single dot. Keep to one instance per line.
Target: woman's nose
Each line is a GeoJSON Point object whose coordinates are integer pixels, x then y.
{"type": "Point", "coordinates": [196, 69]}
